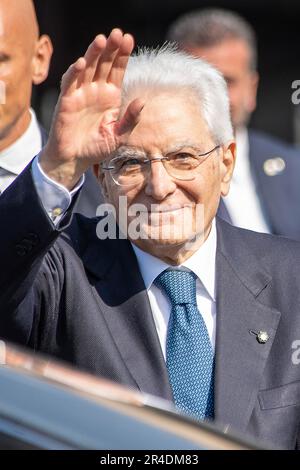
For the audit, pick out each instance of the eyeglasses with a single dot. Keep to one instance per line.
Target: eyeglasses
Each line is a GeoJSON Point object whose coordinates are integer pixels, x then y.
{"type": "Point", "coordinates": [130, 169]}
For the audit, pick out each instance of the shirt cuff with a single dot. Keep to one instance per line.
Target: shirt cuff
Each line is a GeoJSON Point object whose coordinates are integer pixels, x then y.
{"type": "Point", "coordinates": [55, 198]}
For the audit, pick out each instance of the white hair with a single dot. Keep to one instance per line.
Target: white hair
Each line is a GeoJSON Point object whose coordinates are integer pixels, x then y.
{"type": "Point", "coordinates": [168, 69]}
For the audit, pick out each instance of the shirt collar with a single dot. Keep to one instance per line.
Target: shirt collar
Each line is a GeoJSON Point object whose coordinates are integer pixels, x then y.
{"type": "Point", "coordinates": [21, 152]}
{"type": "Point", "coordinates": [202, 263]}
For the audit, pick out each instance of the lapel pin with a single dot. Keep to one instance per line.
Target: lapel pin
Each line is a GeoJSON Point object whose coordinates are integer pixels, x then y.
{"type": "Point", "coordinates": [261, 336]}
{"type": "Point", "coordinates": [274, 166]}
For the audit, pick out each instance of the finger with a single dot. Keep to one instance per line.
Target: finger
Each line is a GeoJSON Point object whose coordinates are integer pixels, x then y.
{"type": "Point", "coordinates": [92, 56]}
{"type": "Point", "coordinates": [120, 63]}
{"type": "Point", "coordinates": [70, 78]}
{"type": "Point", "coordinates": [106, 60]}
{"type": "Point", "coordinates": [131, 117]}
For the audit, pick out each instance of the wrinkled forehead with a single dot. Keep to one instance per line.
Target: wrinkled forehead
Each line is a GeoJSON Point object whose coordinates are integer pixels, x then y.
{"type": "Point", "coordinates": [175, 146]}
{"type": "Point", "coordinates": [169, 120]}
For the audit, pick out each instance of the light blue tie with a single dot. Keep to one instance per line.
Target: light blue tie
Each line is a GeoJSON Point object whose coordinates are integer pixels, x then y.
{"type": "Point", "coordinates": [190, 357]}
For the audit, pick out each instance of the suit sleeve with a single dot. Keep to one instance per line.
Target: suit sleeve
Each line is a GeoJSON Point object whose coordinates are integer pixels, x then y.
{"type": "Point", "coordinates": [26, 236]}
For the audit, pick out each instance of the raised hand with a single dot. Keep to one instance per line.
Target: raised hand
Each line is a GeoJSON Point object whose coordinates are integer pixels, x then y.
{"type": "Point", "coordinates": [86, 125]}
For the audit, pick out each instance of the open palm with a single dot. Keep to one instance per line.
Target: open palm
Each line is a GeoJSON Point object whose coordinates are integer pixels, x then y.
{"type": "Point", "coordinates": [85, 127]}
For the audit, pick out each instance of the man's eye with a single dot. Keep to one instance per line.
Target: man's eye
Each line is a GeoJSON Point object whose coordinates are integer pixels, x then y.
{"type": "Point", "coordinates": [230, 81]}
{"type": "Point", "coordinates": [4, 58]}
{"type": "Point", "coordinates": [184, 161]}
{"type": "Point", "coordinates": [183, 156]}
{"type": "Point", "coordinates": [130, 162]}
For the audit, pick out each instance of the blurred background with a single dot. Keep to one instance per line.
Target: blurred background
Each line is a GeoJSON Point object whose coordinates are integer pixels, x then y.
{"type": "Point", "coordinates": [72, 24]}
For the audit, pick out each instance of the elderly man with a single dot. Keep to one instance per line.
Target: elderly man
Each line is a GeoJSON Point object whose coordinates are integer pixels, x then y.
{"type": "Point", "coordinates": [24, 62]}
{"type": "Point", "coordinates": [187, 307]}
{"type": "Point", "coordinates": [265, 190]}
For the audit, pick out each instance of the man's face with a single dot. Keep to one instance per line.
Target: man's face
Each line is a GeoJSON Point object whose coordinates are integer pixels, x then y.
{"type": "Point", "coordinates": [15, 75]}
{"type": "Point", "coordinates": [176, 208]}
{"type": "Point", "coordinates": [24, 60]}
{"type": "Point", "coordinates": [232, 59]}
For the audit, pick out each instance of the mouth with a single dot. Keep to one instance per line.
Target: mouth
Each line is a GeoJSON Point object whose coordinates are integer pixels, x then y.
{"type": "Point", "coordinates": [162, 210]}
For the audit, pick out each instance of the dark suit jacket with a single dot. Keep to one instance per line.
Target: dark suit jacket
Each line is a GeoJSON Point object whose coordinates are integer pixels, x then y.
{"type": "Point", "coordinates": [84, 301]}
{"type": "Point", "coordinates": [279, 195]}
{"type": "Point", "coordinates": [90, 196]}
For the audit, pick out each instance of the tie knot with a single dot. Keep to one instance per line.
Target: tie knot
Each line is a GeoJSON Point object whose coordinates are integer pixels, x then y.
{"type": "Point", "coordinates": [179, 286]}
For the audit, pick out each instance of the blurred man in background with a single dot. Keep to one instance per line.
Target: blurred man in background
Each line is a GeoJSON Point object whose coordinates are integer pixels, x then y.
{"type": "Point", "coordinates": [265, 190]}
{"type": "Point", "coordinates": [24, 61]}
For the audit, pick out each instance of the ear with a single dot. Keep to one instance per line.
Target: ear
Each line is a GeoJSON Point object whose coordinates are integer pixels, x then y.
{"type": "Point", "coordinates": [227, 166]}
{"type": "Point", "coordinates": [96, 169]}
{"type": "Point", "coordinates": [101, 179]}
{"type": "Point", "coordinates": [41, 59]}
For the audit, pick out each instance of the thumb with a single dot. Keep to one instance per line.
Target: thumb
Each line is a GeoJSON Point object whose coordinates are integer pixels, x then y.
{"type": "Point", "coordinates": [131, 117]}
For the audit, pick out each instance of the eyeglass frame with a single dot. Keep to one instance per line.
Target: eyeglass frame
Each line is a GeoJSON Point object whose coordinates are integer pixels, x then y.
{"type": "Point", "coordinates": [155, 159]}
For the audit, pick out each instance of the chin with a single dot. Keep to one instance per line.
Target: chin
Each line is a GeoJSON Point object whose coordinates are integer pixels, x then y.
{"type": "Point", "coordinates": [170, 242]}
{"type": "Point", "coordinates": [166, 234]}
{"type": "Point", "coordinates": [160, 248]}
{"type": "Point", "coordinates": [165, 239]}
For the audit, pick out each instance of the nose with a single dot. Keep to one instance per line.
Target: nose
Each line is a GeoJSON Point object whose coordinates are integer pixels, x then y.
{"type": "Point", "coordinates": [159, 183]}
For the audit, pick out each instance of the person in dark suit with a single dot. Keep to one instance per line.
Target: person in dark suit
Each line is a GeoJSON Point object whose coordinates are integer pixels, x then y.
{"type": "Point", "coordinates": [264, 193]}
{"type": "Point", "coordinates": [173, 301]}
{"type": "Point", "coordinates": [24, 61]}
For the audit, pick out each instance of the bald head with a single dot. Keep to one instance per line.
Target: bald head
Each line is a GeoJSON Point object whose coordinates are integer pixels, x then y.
{"type": "Point", "coordinates": [24, 61]}
{"type": "Point", "coordinates": [18, 19]}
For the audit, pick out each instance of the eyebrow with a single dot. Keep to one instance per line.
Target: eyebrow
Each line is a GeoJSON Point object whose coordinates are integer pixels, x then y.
{"type": "Point", "coordinates": [189, 144]}
{"type": "Point", "coordinates": [126, 150]}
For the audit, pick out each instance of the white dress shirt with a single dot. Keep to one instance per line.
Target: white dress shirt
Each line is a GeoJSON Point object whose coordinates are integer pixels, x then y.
{"type": "Point", "coordinates": [55, 198]}
{"type": "Point", "coordinates": [15, 158]}
{"type": "Point", "coordinates": [242, 201]}
{"type": "Point", "coordinates": [202, 263]}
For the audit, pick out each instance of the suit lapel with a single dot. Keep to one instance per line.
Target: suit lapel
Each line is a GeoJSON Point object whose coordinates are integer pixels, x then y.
{"type": "Point", "coordinates": [223, 212]}
{"type": "Point", "coordinates": [273, 190]}
{"type": "Point", "coordinates": [125, 305]}
{"type": "Point", "coordinates": [240, 358]}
